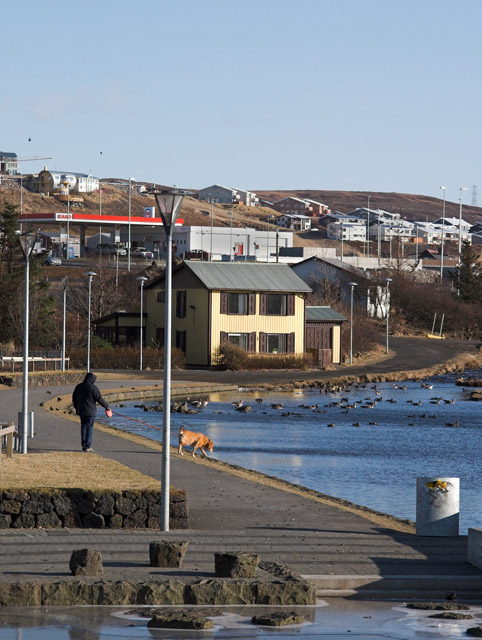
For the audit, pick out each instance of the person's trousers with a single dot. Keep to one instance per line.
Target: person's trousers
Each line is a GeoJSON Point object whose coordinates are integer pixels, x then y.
{"type": "Point", "coordinates": [86, 430]}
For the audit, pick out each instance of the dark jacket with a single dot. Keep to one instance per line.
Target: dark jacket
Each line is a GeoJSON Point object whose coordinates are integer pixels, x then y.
{"type": "Point", "coordinates": [86, 395]}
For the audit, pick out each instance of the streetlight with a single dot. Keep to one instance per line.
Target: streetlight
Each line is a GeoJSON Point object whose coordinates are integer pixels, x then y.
{"type": "Point", "coordinates": [387, 302]}
{"type": "Point", "coordinates": [460, 237]}
{"type": "Point", "coordinates": [169, 203]}
{"type": "Point", "coordinates": [91, 274]}
{"type": "Point", "coordinates": [212, 227]}
{"type": "Point", "coordinates": [27, 242]}
{"type": "Point", "coordinates": [230, 214]}
{"type": "Point", "coordinates": [141, 280]}
{"type": "Point", "coordinates": [64, 306]}
{"type": "Point", "coordinates": [352, 285]}
{"type": "Point", "coordinates": [443, 237]}
{"type": "Point", "coordinates": [129, 226]}
{"type": "Point", "coordinates": [368, 228]}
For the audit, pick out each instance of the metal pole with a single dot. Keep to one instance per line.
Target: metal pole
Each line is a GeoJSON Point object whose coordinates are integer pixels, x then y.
{"type": "Point", "coordinates": [351, 325]}
{"type": "Point", "coordinates": [212, 226]}
{"type": "Point", "coordinates": [129, 230]}
{"type": "Point", "coordinates": [342, 241]}
{"type": "Point", "coordinates": [63, 323]}
{"type": "Point", "coordinates": [117, 268]}
{"type": "Point", "coordinates": [166, 434]}
{"type": "Point", "coordinates": [68, 221]}
{"type": "Point", "coordinates": [88, 322]}
{"type": "Point", "coordinates": [443, 238]}
{"type": "Point", "coordinates": [142, 319]}
{"type": "Point", "coordinates": [379, 242]}
{"type": "Point", "coordinates": [459, 260]}
{"type": "Point", "coordinates": [231, 239]}
{"type": "Point", "coordinates": [25, 357]}
{"type": "Point", "coordinates": [368, 228]}
{"type": "Point", "coordinates": [388, 307]}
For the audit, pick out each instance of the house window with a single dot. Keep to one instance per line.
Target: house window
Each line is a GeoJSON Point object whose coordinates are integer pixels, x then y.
{"type": "Point", "coordinates": [275, 304]}
{"type": "Point", "coordinates": [238, 303]}
{"type": "Point", "coordinates": [181, 340]}
{"type": "Point", "coordinates": [180, 304]}
{"type": "Point", "coordinates": [161, 296]}
{"type": "Point", "coordinates": [276, 343]}
{"type": "Point", "coordinates": [241, 339]}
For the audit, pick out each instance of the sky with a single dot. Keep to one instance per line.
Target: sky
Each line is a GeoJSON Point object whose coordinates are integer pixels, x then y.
{"type": "Point", "coordinates": [370, 95]}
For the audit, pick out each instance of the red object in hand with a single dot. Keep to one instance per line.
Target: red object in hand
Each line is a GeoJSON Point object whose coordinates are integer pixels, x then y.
{"type": "Point", "coordinates": [108, 413]}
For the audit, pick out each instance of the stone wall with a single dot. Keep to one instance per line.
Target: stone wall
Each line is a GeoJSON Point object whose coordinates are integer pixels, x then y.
{"type": "Point", "coordinates": [43, 378]}
{"type": "Point", "coordinates": [77, 508]}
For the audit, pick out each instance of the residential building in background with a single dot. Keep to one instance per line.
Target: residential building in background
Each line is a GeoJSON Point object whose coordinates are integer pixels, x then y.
{"type": "Point", "coordinates": [228, 195]}
{"type": "Point", "coordinates": [51, 182]}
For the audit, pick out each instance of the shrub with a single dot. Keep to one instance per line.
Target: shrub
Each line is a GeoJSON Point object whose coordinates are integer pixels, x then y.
{"type": "Point", "coordinates": [231, 356]}
{"type": "Point", "coordinates": [125, 358]}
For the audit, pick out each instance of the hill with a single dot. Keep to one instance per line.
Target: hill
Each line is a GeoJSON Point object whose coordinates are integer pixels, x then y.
{"type": "Point", "coordinates": [409, 206]}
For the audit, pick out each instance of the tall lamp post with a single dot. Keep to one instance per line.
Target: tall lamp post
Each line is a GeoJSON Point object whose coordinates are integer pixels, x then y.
{"type": "Point", "coordinates": [129, 227]}
{"type": "Point", "coordinates": [388, 303]}
{"type": "Point", "coordinates": [352, 285]}
{"type": "Point", "coordinates": [230, 214]}
{"type": "Point", "coordinates": [64, 307]}
{"type": "Point", "coordinates": [169, 203]}
{"type": "Point", "coordinates": [27, 242]}
{"type": "Point", "coordinates": [368, 228]}
{"type": "Point", "coordinates": [212, 229]}
{"type": "Point", "coordinates": [91, 274]}
{"type": "Point", "coordinates": [459, 258]}
{"type": "Point", "coordinates": [141, 280]}
{"type": "Point", "coordinates": [443, 238]}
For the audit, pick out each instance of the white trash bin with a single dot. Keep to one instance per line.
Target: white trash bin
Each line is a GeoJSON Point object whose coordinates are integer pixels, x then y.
{"type": "Point", "coordinates": [438, 506]}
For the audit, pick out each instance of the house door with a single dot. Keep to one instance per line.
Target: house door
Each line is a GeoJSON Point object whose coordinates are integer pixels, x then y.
{"type": "Point", "coordinates": [238, 249]}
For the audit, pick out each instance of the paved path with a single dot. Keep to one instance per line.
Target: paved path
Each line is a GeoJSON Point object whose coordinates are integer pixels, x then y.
{"type": "Point", "coordinates": [341, 550]}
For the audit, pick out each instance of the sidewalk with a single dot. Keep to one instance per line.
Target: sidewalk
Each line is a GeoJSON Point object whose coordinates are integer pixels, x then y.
{"type": "Point", "coordinates": [343, 553]}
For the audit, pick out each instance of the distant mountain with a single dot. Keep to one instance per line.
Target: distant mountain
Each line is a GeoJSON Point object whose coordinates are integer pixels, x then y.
{"type": "Point", "coordinates": [408, 205]}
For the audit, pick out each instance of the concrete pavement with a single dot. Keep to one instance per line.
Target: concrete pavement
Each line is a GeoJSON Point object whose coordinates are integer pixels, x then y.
{"type": "Point", "coordinates": [341, 551]}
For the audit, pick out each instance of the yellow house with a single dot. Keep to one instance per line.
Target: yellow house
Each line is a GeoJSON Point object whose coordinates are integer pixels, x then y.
{"type": "Point", "coordinates": [260, 307]}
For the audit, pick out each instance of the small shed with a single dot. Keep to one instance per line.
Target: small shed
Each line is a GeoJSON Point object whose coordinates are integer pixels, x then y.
{"type": "Point", "coordinates": [121, 328]}
{"type": "Point", "coordinates": [323, 328]}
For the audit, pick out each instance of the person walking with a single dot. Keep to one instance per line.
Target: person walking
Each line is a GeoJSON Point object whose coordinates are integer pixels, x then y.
{"type": "Point", "coordinates": [85, 397]}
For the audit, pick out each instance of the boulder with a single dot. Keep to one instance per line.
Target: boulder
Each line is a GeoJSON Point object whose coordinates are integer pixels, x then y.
{"type": "Point", "coordinates": [278, 619]}
{"type": "Point", "coordinates": [167, 554]}
{"type": "Point", "coordinates": [86, 562]}
{"type": "Point", "coordinates": [283, 593]}
{"type": "Point", "coordinates": [180, 620]}
{"type": "Point", "coordinates": [235, 564]}
{"type": "Point", "coordinates": [221, 592]}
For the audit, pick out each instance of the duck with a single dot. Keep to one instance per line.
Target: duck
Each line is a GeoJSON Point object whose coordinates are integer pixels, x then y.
{"type": "Point", "coordinates": [277, 406]}
{"type": "Point", "coordinates": [452, 424]}
{"type": "Point", "coordinates": [331, 425]}
{"type": "Point", "coordinates": [244, 409]}
{"type": "Point", "coordinates": [237, 404]}
{"type": "Point", "coordinates": [355, 424]}
{"type": "Point", "coordinates": [259, 399]}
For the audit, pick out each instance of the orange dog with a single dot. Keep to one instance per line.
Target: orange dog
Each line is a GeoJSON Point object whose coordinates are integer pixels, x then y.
{"type": "Point", "coordinates": [195, 440]}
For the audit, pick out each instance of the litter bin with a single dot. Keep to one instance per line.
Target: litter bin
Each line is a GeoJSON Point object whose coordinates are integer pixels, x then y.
{"type": "Point", "coordinates": [438, 506]}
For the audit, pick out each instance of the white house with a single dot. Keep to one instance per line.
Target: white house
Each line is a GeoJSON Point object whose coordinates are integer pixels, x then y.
{"type": "Point", "coordinates": [228, 195]}
{"type": "Point", "coordinates": [51, 181]}
{"type": "Point", "coordinates": [347, 230]}
{"type": "Point", "coordinates": [293, 221]}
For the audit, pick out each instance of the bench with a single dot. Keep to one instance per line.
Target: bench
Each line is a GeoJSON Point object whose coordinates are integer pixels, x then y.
{"type": "Point", "coordinates": [7, 431]}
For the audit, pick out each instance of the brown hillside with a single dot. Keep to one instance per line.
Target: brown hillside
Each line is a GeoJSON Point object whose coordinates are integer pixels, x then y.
{"type": "Point", "coordinates": [410, 206]}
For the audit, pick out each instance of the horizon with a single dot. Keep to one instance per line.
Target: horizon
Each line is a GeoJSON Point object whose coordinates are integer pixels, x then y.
{"type": "Point", "coordinates": [370, 97]}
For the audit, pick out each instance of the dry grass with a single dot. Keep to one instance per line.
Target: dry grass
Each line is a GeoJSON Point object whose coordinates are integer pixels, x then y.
{"type": "Point", "coordinates": [70, 470]}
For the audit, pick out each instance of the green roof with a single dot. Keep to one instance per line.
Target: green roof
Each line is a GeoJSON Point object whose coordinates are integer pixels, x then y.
{"type": "Point", "coordinates": [323, 314]}
{"type": "Point", "coordinates": [243, 276]}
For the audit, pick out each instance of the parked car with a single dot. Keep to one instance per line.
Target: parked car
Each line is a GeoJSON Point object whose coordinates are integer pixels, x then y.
{"type": "Point", "coordinates": [53, 262]}
{"type": "Point", "coordinates": [141, 252]}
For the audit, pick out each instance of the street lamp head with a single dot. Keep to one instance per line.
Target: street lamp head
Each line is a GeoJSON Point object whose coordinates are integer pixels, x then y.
{"type": "Point", "coordinates": [387, 280]}
{"type": "Point", "coordinates": [27, 242]}
{"type": "Point", "coordinates": [141, 279]}
{"type": "Point", "coordinates": [169, 202]}
{"type": "Point", "coordinates": [91, 274]}
{"type": "Point", "coordinates": [443, 188]}
{"type": "Point", "coordinates": [351, 284]}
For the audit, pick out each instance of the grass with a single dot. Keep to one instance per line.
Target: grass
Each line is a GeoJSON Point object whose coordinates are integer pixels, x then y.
{"type": "Point", "coordinates": [70, 470]}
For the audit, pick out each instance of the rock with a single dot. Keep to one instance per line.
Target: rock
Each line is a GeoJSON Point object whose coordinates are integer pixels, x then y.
{"type": "Point", "coordinates": [167, 554]}
{"type": "Point", "coordinates": [105, 505]}
{"type": "Point", "coordinates": [235, 564]}
{"type": "Point", "coordinates": [169, 592]}
{"type": "Point", "coordinates": [114, 593]}
{"type": "Point", "coordinates": [115, 522]}
{"type": "Point", "coordinates": [24, 521]}
{"type": "Point", "coordinates": [452, 615]}
{"type": "Point", "coordinates": [72, 520]}
{"type": "Point", "coordinates": [136, 520]}
{"type": "Point", "coordinates": [5, 521]}
{"type": "Point", "coordinates": [85, 506]}
{"type": "Point", "coordinates": [25, 594]}
{"type": "Point", "coordinates": [49, 521]}
{"type": "Point", "coordinates": [66, 593]}
{"type": "Point", "coordinates": [13, 507]}
{"type": "Point", "coordinates": [86, 562]}
{"type": "Point", "coordinates": [180, 620]}
{"type": "Point", "coordinates": [476, 632]}
{"type": "Point", "coordinates": [62, 505]}
{"type": "Point", "coordinates": [125, 506]}
{"type": "Point", "coordinates": [290, 592]}
{"type": "Point", "coordinates": [37, 504]}
{"type": "Point", "coordinates": [221, 592]}
{"type": "Point", "coordinates": [438, 606]}
{"type": "Point", "coordinates": [278, 619]}
{"type": "Point", "coordinates": [93, 521]}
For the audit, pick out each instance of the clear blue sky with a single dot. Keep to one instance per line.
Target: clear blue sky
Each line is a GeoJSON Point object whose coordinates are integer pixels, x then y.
{"type": "Point", "coordinates": [374, 95]}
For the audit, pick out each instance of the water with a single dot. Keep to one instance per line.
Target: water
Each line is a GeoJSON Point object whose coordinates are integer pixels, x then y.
{"type": "Point", "coordinates": [375, 465]}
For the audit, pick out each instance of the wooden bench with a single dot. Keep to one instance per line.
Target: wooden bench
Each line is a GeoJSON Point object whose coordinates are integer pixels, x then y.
{"type": "Point", "coordinates": [7, 430]}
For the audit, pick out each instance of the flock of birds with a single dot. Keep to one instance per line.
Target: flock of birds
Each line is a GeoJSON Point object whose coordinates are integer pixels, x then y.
{"type": "Point", "coordinates": [345, 406]}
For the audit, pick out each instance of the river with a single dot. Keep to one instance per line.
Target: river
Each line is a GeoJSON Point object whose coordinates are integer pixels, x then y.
{"type": "Point", "coordinates": [366, 444]}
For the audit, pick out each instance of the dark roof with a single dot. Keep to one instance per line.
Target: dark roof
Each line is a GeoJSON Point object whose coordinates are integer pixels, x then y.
{"type": "Point", "coordinates": [119, 314]}
{"type": "Point", "coordinates": [244, 276]}
{"type": "Point", "coordinates": [326, 314]}
{"type": "Point", "coordinates": [337, 264]}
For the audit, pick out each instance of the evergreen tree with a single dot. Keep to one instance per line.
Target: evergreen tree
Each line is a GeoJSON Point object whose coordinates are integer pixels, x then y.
{"type": "Point", "coordinates": [468, 275]}
{"type": "Point", "coordinates": [12, 285]}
